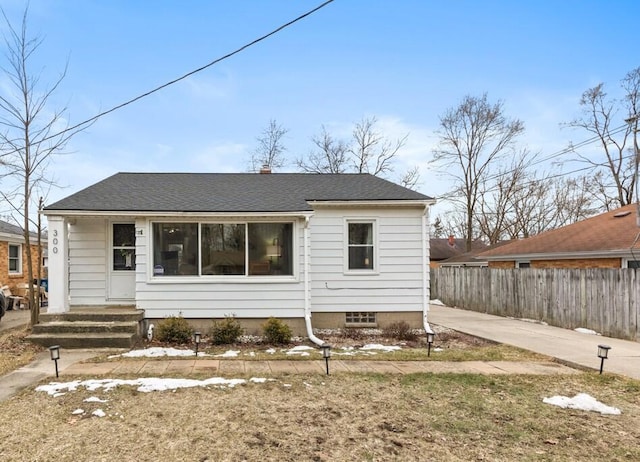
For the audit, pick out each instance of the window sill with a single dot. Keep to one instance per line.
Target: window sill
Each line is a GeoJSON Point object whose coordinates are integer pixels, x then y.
{"type": "Point", "coordinates": [223, 280]}
{"type": "Point", "coordinates": [361, 273]}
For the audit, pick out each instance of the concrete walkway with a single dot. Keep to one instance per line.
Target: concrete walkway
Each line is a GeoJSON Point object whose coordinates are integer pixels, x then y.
{"type": "Point", "coordinates": [566, 345]}
{"type": "Point", "coordinates": [15, 318]}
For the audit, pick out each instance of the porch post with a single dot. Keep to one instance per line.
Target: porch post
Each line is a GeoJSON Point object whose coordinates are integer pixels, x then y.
{"type": "Point", "coordinates": [58, 248]}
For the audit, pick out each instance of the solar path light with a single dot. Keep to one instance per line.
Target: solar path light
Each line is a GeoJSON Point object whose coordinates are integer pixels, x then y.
{"type": "Point", "coordinates": [197, 337]}
{"type": "Point", "coordinates": [603, 353]}
{"type": "Point", "coordinates": [430, 338]}
{"type": "Point", "coordinates": [54, 351]}
{"type": "Point", "coordinates": [326, 354]}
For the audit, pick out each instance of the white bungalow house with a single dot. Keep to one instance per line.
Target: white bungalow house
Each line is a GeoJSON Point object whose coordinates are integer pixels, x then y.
{"type": "Point", "coordinates": [349, 249]}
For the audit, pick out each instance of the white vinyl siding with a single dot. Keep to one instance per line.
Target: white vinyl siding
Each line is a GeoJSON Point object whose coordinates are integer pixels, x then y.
{"type": "Point", "coordinates": [88, 262]}
{"type": "Point", "coordinates": [395, 285]}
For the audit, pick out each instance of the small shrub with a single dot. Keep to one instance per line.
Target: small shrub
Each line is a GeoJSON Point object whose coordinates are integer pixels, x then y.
{"type": "Point", "coordinates": [352, 333]}
{"type": "Point", "coordinates": [276, 331]}
{"type": "Point", "coordinates": [226, 331]}
{"type": "Point", "coordinates": [174, 329]}
{"type": "Point", "coordinates": [399, 330]}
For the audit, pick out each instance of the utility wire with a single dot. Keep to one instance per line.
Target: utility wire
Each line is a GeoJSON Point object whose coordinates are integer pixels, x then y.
{"type": "Point", "coordinates": [188, 74]}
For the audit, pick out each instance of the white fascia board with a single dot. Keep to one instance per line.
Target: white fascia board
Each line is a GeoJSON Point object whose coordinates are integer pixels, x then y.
{"type": "Point", "coordinates": [376, 203]}
{"type": "Point", "coordinates": [562, 255]}
{"type": "Point", "coordinates": [170, 214]}
{"type": "Point", "coordinates": [10, 237]}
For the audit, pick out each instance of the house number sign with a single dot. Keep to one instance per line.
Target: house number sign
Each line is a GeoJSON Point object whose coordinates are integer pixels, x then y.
{"type": "Point", "coordinates": [55, 241]}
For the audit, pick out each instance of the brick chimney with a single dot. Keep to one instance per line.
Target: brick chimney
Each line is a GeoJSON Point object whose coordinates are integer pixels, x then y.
{"type": "Point", "coordinates": [265, 169]}
{"type": "Point", "coordinates": [452, 240]}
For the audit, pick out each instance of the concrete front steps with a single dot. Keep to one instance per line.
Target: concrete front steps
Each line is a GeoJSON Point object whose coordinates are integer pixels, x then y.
{"type": "Point", "coordinates": [89, 328]}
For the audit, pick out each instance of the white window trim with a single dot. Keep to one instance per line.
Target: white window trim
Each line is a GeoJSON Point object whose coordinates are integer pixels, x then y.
{"type": "Point", "coordinates": [19, 271]}
{"type": "Point", "coordinates": [224, 279]}
{"type": "Point", "coordinates": [376, 248]}
{"type": "Point", "coordinates": [625, 261]}
{"type": "Point", "coordinates": [519, 262]}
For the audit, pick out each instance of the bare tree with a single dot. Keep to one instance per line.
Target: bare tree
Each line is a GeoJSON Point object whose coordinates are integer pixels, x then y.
{"type": "Point", "coordinates": [411, 177]}
{"type": "Point", "coordinates": [473, 137]}
{"type": "Point", "coordinates": [270, 151]}
{"type": "Point", "coordinates": [329, 155]}
{"type": "Point", "coordinates": [368, 151]}
{"type": "Point", "coordinates": [371, 151]}
{"type": "Point", "coordinates": [601, 116]}
{"type": "Point", "coordinates": [32, 133]}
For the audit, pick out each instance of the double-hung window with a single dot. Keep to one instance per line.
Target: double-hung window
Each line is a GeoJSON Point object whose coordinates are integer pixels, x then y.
{"type": "Point", "coordinates": [361, 245]}
{"type": "Point", "coordinates": [15, 259]}
{"type": "Point", "coordinates": [222, 249]}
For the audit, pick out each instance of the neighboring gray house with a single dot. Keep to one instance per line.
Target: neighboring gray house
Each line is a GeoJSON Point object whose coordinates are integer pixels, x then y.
{"type": "Point", "coordinates": [351, 249]}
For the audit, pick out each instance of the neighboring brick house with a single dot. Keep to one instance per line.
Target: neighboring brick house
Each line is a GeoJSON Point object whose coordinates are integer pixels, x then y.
{"type": "Point", "coordinates": [445, 249]}
{"type": "Point", "coordinates": [608, 240]}
{"type": "Point", "coordinates": [13, 255]}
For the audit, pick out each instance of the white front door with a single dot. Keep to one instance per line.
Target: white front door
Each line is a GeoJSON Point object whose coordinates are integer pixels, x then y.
{"type": "Point", "coordinates": [122, 262]}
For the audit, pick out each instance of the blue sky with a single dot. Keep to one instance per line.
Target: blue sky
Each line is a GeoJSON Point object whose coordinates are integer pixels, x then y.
{"type": "Point", "coordinates": [404, 62]}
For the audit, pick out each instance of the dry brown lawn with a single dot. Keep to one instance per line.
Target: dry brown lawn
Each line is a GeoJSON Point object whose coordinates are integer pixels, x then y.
{"type": "Point", "coordinates": [15, 351]}
{"type": "Point", "coordinates": [342, 417]}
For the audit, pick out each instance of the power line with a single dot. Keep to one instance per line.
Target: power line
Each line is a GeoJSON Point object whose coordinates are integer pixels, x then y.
{"type": "Point", "coordinates": [188, 74]}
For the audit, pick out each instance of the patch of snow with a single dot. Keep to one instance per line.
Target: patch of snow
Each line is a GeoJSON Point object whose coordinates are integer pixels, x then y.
{"type": "Point", "coordinates": [270, 351]}
{"type": "Point", "coordinates": [251, 354]}
{"type": "Point", "coordinates": [435, 301]}
{"type": "Point", "coordinates": [582, 330]}
{"type": "Point", "coordinates": [95, 399]}
{"type": "Point", "coordinates": [437, 349]}
{"type": "Point", "coordinates": [583, 402]}
{"type": "Point", "coordinates": [145, 385]}
{"type": "Point", "coordinates": [78, 412]}
{"type": "Point", "coordinates": [301, 350]}
{"type": "Point", "coordinates": [533, 321]}
{"type": "Point", "coordinates": [155, 352]}
{"type": "Point", "coordinates": [229, 354]}
{"type": "Point", "coordinates": [257, 380]}
{"type": "Point", "coordinates": [377, 346]}
{"type": "Point", "coordinates": [98, 413]}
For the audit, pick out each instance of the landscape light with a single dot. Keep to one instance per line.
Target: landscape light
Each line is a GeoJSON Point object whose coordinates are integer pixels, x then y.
{"type": "Point", "coordinates": [54, 351]}
{"type": "Point", "coordinates": [196, 338]}
{"type": "Point", "coordinates": [326, 354]}
{"type": "Point", "coordinates": [430, 338]}
{"type": "Point", "coordinates": [603, 353]}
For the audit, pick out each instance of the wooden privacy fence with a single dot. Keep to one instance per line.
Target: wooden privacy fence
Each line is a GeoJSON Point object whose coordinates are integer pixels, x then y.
{"type": "Point", "coordinates": [604, 300]}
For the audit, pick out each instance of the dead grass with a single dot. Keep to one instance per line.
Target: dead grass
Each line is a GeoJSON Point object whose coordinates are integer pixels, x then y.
{"type": "Point", "coordinates": [342, 417]}
{"type": "Point", "coordinates": [15, 351]}
{"type": "Point", "coordinates": [450, 345]}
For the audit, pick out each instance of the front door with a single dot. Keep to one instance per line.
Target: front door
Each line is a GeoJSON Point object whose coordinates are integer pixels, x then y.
{"type": "Point", "coordinates": [122, 280]}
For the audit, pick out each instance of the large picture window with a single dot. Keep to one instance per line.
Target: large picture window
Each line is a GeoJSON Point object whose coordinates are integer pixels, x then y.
{"type": "Point", "coordinates": [361, 245]}
{"type": "Point", "coordinates": [222, 249]}
{"type": "Point", "coordinates": [15, 259]}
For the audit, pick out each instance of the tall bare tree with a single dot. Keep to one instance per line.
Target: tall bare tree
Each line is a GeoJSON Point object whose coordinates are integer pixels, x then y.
{"type": "Point", "coordinates": [270, 151]}
{"type": "Point", "coordinates": [328, 156]}
{"type": "Point", "coordinates": [601, 117]}
{"type": "Point", "coordinates": [31, 134]}
{"type": "Point", "coordinates": [368, 151]}
{"type": "Point", "coordinates": [474, 136]}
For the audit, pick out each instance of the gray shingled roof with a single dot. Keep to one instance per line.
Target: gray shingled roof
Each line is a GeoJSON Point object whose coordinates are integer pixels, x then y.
{"type": "Point", "coordinates": [229, 192]}
{"type": "Point", "coordinates": [8, 228]}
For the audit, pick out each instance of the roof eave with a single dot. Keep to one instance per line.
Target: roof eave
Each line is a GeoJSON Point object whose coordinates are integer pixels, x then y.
{"type": "Point", "coordinates": [171, 213]}
{"type": "Point", "coordinates": [377, 203]}
{"type": "Point", "coordinates": [563, 255]}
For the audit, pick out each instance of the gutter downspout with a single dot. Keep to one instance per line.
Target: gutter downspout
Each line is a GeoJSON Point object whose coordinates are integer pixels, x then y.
{"type": "Point", "coordinates": [425, 273]}
{"type": "Point", "coordinates": [307, 289]}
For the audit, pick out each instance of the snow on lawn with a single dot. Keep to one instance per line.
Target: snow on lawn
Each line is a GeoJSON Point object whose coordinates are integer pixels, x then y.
{"type": "Point", "coordinates": [435, 301]}
{"type": "Point", "coordinates": [301, 350]}
{"type": "Point", "coordinates": [145, 385]}
{"type": "Point", "coordinates": [583, 402]}
{"type": "Point", "coordinates": [156, 352]}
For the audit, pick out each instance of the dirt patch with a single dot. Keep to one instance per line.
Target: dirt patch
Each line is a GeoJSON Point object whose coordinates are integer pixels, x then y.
{"type": "Point", "coordinates": [15, 350]}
